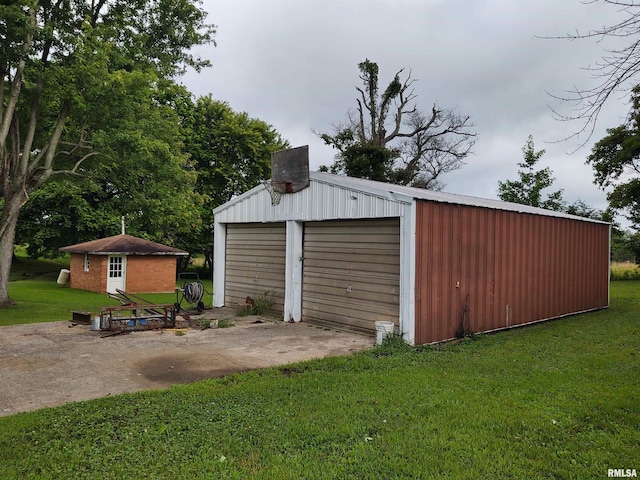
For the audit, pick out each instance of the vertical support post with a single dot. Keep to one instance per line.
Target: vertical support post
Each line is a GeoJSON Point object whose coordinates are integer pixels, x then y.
{"type": "Point", "coordinates": [408, 272]}
{"type": "Point", "coordinates": [293, 271]}
{"type": "Point", "coordinates": [609, 272]}
{"type": "Point", "coordinates": [219, 262]}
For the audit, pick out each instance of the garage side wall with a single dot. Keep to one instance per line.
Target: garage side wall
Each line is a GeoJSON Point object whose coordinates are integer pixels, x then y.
{"type": "Point", "coordinates": [485, 269]}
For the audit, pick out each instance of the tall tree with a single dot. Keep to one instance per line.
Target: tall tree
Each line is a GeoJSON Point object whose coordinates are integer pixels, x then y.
{"type": "Point", "coordinates": [62, 66]}
{"type": "Point", "coordinates": [528, 189]}
{"type": "Point", "coordinates": [616, 163]}
{"type": "Point", "coordinates": [389, 139]}
{"type": "Point", "coordinates": [615, 72]}
{"type": "Point", "coordinates": [230, 151]}
{"type": "Point", "coordinates": [141, 173]}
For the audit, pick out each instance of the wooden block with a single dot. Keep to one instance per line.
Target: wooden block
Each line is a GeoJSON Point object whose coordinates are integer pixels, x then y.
{"type": "Point", "coordinates": [81, 317]}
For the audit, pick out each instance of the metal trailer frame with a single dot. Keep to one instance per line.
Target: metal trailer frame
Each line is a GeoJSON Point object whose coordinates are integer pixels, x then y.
{"type": "Point", "coordinates": [136, 317]}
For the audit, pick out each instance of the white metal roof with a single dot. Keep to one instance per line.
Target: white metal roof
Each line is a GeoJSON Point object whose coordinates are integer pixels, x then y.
{"type": "Point", "coordinates": [319, 201]}
{"type": "Point", "coordinates": [338, 196]}
{"type": "Point", "coordinates": [442, 197]}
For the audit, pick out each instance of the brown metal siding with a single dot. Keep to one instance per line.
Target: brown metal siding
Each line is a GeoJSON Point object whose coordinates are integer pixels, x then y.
{"type": "Point", "coordinates": [511, 268]}
{"type": "Point", "coordinates": [351, 273]}
{"type": "Point", "coordinates": [255, 263]}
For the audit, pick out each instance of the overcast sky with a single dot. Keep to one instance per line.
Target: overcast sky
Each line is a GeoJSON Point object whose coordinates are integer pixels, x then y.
{"type": "Point", "coordinates": [293, 64]}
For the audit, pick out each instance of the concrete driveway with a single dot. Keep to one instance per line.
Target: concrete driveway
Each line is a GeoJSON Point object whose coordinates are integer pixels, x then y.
{"type": "Point", "coordinates": [49, 364]}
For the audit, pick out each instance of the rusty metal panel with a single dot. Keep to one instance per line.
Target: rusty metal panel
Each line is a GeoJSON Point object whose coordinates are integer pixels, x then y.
{"type": "Point", "coordinates": [490, 269]}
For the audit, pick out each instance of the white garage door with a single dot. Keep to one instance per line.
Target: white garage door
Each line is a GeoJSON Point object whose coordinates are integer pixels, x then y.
{"type": "Point", "coordinates": [255, 263]}
{"type": "Point", "coordinates": [351, 273]}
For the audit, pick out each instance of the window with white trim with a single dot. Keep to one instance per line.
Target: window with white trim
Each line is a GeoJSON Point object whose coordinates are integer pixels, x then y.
{"type": "Point", "coordinates": [86, 262]}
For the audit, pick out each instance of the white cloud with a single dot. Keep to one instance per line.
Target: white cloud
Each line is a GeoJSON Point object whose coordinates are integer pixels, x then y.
{"type": "Point", "coordinates": [294, 63]}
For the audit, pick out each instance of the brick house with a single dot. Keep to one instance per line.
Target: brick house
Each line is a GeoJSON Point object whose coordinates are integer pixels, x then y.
{"type": "Point", "coordinates": [123, 262]}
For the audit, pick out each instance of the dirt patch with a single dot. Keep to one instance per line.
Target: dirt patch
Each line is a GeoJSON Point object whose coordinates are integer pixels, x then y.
{"type": "Point", "coordinates": [186, 368]}
{"type": "Point", "coordinates": [49, 364]}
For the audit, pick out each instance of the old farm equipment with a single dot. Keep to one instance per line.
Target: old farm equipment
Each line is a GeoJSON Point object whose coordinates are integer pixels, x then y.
{"type": "Point", "coordinates": [135, 313]}
{"type": "Point", "coordinates": [191, 291]}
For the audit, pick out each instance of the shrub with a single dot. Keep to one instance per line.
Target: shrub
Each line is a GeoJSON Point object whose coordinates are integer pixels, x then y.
{"type": "Point", "coordinates": [225, 323]}
{"type": "Point", "coordinates": [259, 305]}
{"type": "Point", "coordinates": [625, 271]}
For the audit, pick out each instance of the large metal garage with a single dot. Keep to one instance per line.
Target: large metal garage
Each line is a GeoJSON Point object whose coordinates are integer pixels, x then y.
{"type": "Point", "coordinates": [346, 252]}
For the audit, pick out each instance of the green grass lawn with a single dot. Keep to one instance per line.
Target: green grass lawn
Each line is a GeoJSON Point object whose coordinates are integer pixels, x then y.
{"type": "Point", "coordinates": [24, 268]}
{"type": "Point", "coordinates": [555, 400]}
{"type": "Point", "coordinates": [38, 298]}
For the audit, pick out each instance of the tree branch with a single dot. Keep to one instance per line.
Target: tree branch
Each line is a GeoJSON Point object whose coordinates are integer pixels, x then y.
{"type": "Point", "coordinates": [47, 154]}
{"type": "Point", "coordinates": [614, 71]}
{"type": "Point", "coordinates": [16, 84]}
{"type": "Point", "coordinates": [361, 127]}
{"type": "Point", "coordinates": [31, 129]}
{"type": "Point", "coordinates": [74, 169]}
{"type": "Point", "coordinates": [95, 14]}
{"type": "Point", "coordinates": [400, 111]}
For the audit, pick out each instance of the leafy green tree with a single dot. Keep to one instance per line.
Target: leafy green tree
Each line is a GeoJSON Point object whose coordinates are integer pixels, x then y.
{"type": "Point", "coordinates": [581, 209]}
{"type": "Point", "coordinates": [616, 163]}
{"type": "Point", "coordinates": [141, 173]}
{"type": "Point", "coordinates": [389, 139]}
{"type": "Point", "coordinates": [65, 69]}
{"type": "Point", "coordinates": [633, 244]}
{"type": "Point", "coordinates": [625, 246]}
{"type": "Point", "coordinates": [230, 151]}
{"type": "Point", "coordinates": [62, 212]}
{"type": "Point", "coordinates": [528, 190]}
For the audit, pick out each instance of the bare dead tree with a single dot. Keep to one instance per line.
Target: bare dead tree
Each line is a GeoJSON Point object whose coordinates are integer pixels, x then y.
{"type": "Point", "coordinates": [387, 138]}
{"type": "Point", "coordinates": [615, 71]}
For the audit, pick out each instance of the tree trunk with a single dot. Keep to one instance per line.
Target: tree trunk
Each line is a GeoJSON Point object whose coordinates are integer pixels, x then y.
{"type": "Point", "coordinates": [10, 213]}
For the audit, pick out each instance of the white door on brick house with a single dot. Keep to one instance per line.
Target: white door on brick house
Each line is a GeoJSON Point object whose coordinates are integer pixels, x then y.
{"type": "Point", "coordinates": [116, 273]}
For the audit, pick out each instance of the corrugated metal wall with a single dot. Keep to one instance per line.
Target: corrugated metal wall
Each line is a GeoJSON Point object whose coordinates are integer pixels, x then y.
{"type": "Point", "coordinates": [506, 268]}
{"type": "Point", "coordinates": [255, 263]}
{"type": "Point", "coordinates": [320, 201]}
{"type": "Point", "coordinates": [351, 273]}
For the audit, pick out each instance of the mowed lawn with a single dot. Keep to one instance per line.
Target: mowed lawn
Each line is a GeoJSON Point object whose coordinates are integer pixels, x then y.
{"type": "Point", "coordinates": [555, 400]}
{"type": "Point", "coordinates": [39, 298]}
